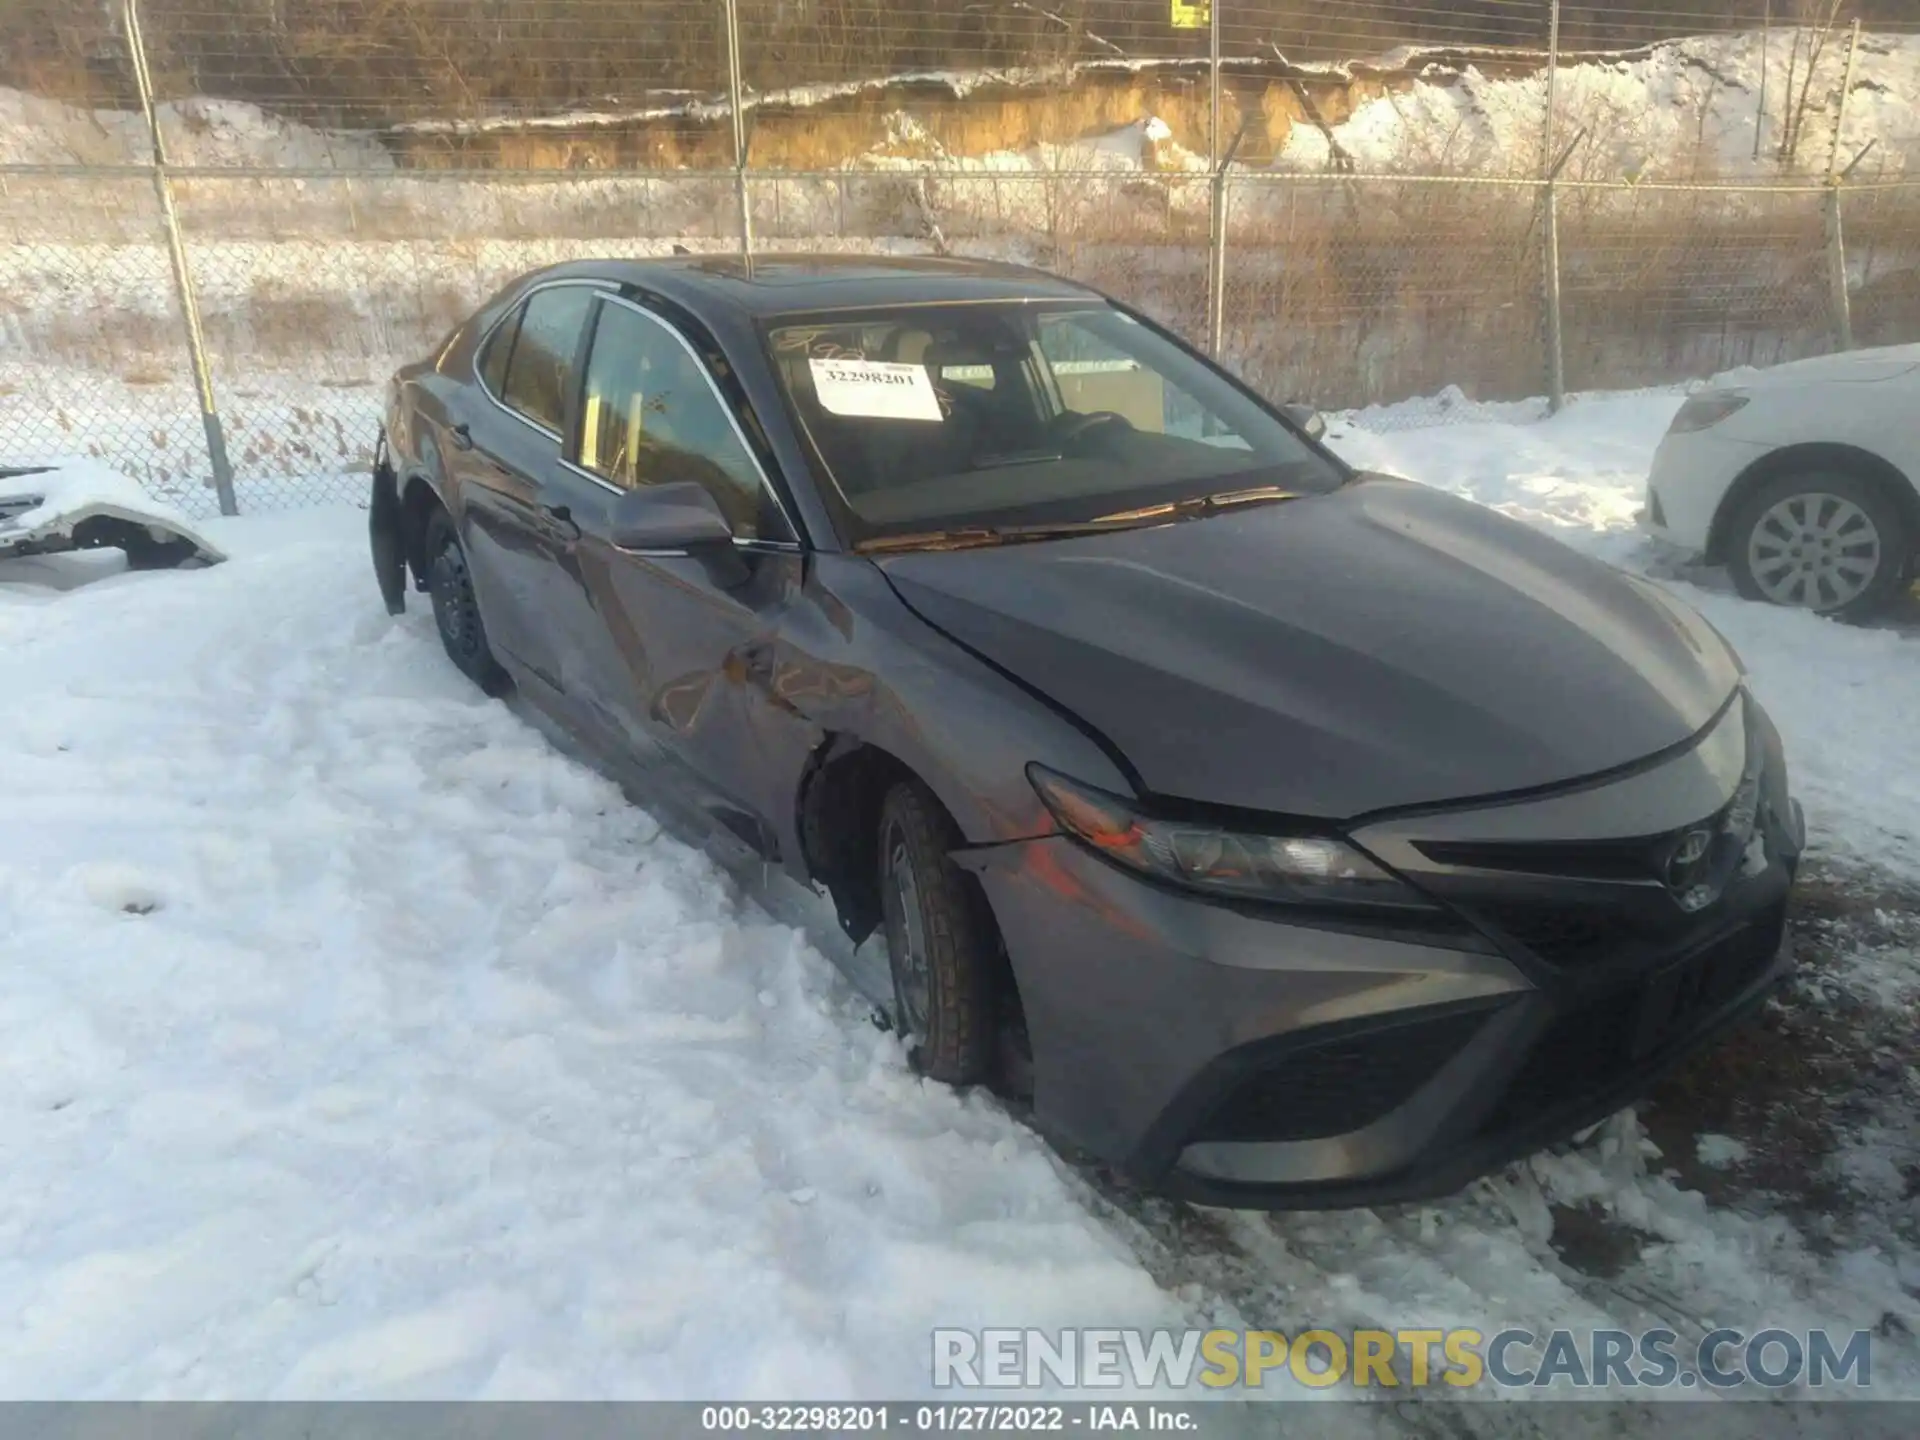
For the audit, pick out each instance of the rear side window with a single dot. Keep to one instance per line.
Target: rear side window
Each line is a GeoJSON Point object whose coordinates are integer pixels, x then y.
{"type": "Point", "coordinates": [493, 356]}
{"type": "Point", "coordinates": [539, 372]}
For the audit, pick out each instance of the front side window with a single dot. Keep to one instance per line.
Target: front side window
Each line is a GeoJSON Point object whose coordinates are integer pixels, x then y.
{"type": "Point", "coordinates": [539, 374]}
{"type": "Point", "coordinates": [940, 417]}
{"type": "Point", "coordinates": [650, 416]}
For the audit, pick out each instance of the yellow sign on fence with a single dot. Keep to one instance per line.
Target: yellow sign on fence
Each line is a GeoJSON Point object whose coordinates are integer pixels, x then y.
{"type": "Point", "coordinates": [1192, 14]}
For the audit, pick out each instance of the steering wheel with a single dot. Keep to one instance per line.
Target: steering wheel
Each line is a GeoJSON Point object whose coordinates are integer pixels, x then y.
{"type": "Point", "coordinates": [1072, 427]}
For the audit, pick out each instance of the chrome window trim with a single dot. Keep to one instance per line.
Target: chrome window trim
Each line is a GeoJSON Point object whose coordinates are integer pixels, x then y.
{"type": "Point", "coordinates": [726, 408]}
{"type": "Point", "coordinates": [586, 474]}
{"type": "Point", "coordinates": [520, 304]}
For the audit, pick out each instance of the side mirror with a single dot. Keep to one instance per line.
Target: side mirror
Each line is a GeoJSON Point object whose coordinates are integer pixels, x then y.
{"type": "Point", "coordinates": [1309, 421]}
{"type": "Point", "coordinates": [677, 518]}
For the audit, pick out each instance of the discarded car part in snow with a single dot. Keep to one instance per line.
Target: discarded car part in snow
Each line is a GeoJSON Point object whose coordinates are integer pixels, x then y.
{"type": "Point", "coordinates": [52, 509]}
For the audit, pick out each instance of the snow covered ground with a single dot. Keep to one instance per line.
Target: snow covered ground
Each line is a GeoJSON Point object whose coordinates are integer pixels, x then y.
{"type": "Point", "coordinates": [355, 1042]}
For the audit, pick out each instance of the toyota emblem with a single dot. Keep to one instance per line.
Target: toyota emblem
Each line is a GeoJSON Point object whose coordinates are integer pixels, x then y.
{"type": "Point", "coordinates": [1685, 870]}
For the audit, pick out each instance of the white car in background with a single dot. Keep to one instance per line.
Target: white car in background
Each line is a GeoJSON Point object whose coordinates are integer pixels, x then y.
{"type": "Point", "coordinates": [1803, 480]}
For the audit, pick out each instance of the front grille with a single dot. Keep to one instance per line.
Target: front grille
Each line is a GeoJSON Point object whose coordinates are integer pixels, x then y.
{"type": "Point", "coordinates": [1319, 1088]}
{"type": "Point", "coordinates": [1629, 900]}
{"type": "Point", "coordinates": [1636, 859]}
{"type": "Point", "coordinates": [1604, 1040]}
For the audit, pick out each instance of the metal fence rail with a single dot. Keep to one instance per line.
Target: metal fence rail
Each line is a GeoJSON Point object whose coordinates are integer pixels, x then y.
{"type": "Point", "coordinates": [209, 293]}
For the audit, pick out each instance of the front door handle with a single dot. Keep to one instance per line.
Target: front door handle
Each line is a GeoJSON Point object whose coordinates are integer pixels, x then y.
{"type": "Point", "coordinates": [562, 517]}
{"type": "Point", "coordinates": [461, 436]}
{"type": "Point", "coordinates": [756, 660]}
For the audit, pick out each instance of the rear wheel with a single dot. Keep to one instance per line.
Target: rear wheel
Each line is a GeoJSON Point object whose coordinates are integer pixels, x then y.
{"type": "Point", "coordinates": [455, 611]}
{"type": "Point", "coordinates": [1827, 541]}
{"type": "Point", "coordinates": [939, 940]}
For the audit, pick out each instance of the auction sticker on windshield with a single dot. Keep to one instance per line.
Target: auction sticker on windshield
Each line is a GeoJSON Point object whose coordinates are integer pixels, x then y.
{"type": "Point", "coordinates": [875, 389]}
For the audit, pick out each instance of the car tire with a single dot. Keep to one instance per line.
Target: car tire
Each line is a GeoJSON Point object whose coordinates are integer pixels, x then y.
{"type": "Point", "coordinates": [1765, 525]}
{"type": "Point", "coordinates": [456, 614]}
{"type": "Point", "coordinates": [939, 940]}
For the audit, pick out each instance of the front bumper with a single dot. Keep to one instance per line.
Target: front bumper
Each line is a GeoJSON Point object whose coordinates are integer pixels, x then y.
{"type": "Point", "coordinates": [1221, 1054]}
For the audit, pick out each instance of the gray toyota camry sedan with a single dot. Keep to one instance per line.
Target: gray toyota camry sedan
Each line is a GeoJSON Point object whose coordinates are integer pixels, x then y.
{"type": "Point", "coordinates": [1288, 836]}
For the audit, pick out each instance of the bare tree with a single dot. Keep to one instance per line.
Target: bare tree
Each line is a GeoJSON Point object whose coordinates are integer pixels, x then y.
{"type": "Point", "coordinates": [1816, 23]}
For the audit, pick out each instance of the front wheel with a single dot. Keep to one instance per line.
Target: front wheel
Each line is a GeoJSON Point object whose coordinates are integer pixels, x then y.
{"type": "Point", "coordinates": [1827, 541]}
{"type": "Point", "coordinates": [939, 940]}
{"type": "Point", "coordinates": [456, 614]}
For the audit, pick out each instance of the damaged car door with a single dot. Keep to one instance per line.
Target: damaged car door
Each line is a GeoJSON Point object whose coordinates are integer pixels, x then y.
{"type": "Point", "coordinates": [690, 566]}
{"type": "Point", "coordinates": [503, 448]}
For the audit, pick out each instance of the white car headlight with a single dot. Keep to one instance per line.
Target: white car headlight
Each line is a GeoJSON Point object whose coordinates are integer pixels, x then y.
{"type": "Point", "coordinates": [1708, 407]}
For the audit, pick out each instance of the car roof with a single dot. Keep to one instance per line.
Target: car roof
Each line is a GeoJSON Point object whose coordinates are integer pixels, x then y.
{"type": "Point", "coordinates": [800, 284]}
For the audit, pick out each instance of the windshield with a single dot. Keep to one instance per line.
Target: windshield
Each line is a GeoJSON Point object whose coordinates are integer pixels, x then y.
{"type": "Point", "coordinates": [949, 416]}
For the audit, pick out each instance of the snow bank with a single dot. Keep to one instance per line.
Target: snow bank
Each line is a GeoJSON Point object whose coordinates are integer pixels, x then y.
{"type": "Point", "coordinates": [353, 1042]}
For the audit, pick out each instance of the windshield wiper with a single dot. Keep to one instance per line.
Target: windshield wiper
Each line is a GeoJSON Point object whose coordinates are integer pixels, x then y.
{"type": "Point", "coordinates": [975, 536]}
{"type": "Point", "coordinates": [1016, 457]}
{"type": "Point", "coordinates": [1200, 505]}
{"type": "Point", "coordinates": [972, 536]}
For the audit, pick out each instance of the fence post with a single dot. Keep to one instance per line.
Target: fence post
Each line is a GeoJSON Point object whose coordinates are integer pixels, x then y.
{"type": "Point", "coordinates": [182, 276]}
{"type": "Point", "coordinates": [1550, 227]}
{"type": "Point", "coordinates": [1836, 236]}
{"type": "Point", "coordinates": [737, 108]}
{"type": "Point", "coordinates": [1217, 212]}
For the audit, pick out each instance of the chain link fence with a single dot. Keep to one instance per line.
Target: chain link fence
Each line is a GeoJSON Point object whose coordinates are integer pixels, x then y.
{"type": "Point", "coordinates": [1356, 204]}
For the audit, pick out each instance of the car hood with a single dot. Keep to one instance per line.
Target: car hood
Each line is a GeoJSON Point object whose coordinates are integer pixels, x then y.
{"type": "Point", "coordinates": [1381, 646]}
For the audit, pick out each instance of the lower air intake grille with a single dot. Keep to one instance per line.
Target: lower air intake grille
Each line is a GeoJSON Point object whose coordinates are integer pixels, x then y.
{"type": "Point", "coordinates": [1601, 1042]}
{"type": "Point", "coordinates": [1561, 934]}
{"type": "Point", "coordinates": [1343, 1083]}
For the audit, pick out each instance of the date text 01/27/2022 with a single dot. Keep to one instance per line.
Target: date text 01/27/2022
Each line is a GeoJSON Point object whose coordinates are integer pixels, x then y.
{"type": "Point", "coordinates": [979, 1419]}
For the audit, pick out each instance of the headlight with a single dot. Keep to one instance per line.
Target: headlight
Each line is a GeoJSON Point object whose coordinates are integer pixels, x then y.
{"type": "Point", "coordinates": [1708, 407]}
{"type": "Point", "coordinates": [1295, 869]}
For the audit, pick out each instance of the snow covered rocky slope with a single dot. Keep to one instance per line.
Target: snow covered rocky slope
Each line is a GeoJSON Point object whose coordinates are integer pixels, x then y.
{"type": "Point", "coordinates": [1679, 109]}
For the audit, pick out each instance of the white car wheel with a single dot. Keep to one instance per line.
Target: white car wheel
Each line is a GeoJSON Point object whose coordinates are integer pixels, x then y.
{"type": "Point", "coordinates": [1817, 551]}
{"type": "Point", "coordinates": [1832, 543]}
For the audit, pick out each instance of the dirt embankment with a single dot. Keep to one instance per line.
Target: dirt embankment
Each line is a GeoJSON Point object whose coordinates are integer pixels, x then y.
{"type": "Point", "coordinates": [966, 114]}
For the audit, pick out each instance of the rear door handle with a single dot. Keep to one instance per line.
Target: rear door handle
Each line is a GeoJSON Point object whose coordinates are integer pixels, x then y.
{"type": "Point", "coordinates": [461, 436]}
